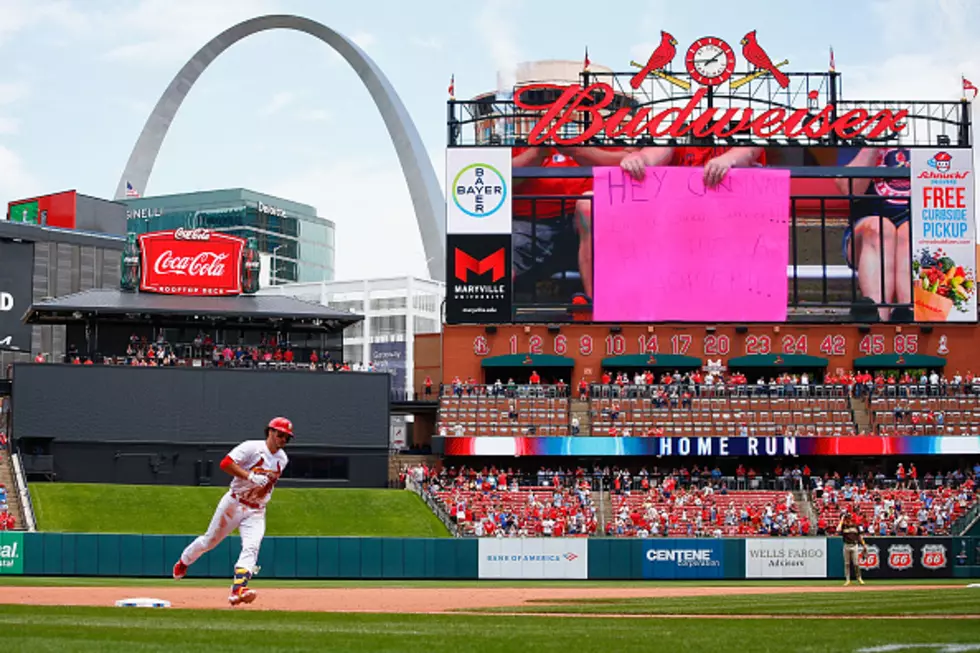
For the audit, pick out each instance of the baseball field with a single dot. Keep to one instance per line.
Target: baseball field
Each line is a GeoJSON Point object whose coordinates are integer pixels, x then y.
{"type": "Point", "coordinates": [78, 614]}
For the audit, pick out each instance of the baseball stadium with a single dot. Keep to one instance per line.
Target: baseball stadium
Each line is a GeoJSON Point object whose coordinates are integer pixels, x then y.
{"type": "Point", "coordinates": [705, 375]}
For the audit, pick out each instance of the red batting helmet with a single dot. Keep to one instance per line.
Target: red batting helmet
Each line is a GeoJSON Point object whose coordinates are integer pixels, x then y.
{"type": "Point", "coordinates": [282, 425]}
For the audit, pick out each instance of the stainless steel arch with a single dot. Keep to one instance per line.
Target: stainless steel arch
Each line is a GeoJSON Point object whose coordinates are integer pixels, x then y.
{"type": "Point", "coordinates": [423, 186]}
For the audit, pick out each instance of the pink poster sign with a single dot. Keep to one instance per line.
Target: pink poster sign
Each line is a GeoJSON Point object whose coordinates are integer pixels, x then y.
{"type": "Point", "coordinates": [667, 249]}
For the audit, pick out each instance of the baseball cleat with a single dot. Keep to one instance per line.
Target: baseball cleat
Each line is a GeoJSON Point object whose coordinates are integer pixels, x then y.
{"type": "Point", "coordinates": [246, 596]}
{"type": "Point", "coordinates": [180, 570]}
{"type": "Point", "coordinates": [861, 580]}
{"type": "Point", "coordinates": [846, 583]}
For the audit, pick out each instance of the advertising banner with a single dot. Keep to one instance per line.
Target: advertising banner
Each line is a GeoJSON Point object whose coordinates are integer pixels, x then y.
{"type": "Point", "coordinates": [11, 553]}
{"type": "Point", "coordinates": [478, 182]}
{"type": "Point", "coordinates": [907, 557]}
{"type": "Point", "coordinates": [670, 558]}
{"type": "Point", "coordinates": [915, 445]}
{"type": "Point", "coordinates": [390, 357]}
{"type": "Point", "coordinates": [191, 262]}
{"type": "Point", "coordinates": [478, 280]}
{"type": "Point", "coordinates": [798, 557]}
{"type": "Point", "coordinates": [944, 236]}
{"type": "Point", "coordinates": [534, 558]}
{"type": "Point", "coordinates": [729, 247]}
{"type": "Point", "coordinates": [16, 275]}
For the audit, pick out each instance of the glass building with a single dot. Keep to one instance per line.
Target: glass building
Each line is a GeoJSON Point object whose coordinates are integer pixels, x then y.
{"type": "Point", "coordinates": [296, 244]}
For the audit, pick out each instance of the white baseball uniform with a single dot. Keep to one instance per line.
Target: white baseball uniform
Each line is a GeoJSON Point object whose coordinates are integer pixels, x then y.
{"type": "Point", "coordinates": [242, 507]}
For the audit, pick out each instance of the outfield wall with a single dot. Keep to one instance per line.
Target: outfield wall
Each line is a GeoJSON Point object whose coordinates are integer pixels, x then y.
{"type": "Point", "coordinates": [70, 554]}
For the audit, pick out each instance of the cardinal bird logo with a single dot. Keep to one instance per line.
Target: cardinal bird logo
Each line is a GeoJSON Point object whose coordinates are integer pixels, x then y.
{"type": "Point", "coordinates": [662, 56]}
{"type": "Point", "coordinates": [756, 56]}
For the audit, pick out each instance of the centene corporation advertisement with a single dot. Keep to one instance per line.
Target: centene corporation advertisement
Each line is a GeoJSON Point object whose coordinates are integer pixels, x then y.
{"type": "Point", "coordinates": [683, 559]}
{"type": "Point", "coordinates": [801, 557]}
{"type": "Point", "coordinates": [534, 558]}
{"type": "Point", "coordinates": [944, 266]}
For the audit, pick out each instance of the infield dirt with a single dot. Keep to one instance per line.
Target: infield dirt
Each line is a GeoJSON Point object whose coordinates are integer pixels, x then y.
{"type": "Point", "coordinates": [392, 599]}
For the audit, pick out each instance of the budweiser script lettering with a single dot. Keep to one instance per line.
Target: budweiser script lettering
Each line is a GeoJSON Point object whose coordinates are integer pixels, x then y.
{"type": "Point", "coordinates": [204, 264]}
{"type": "Point", "coordinates": [576, 102]}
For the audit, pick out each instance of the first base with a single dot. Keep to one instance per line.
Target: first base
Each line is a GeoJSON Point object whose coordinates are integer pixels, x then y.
{"type": "Point", "coordinates": [142, 603]}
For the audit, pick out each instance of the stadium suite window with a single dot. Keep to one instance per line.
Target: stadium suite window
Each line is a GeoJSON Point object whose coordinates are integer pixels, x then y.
{"type": "Point", "coordinates": [387, 303]}
{"type": "Point", "coordinates": [388, 325]}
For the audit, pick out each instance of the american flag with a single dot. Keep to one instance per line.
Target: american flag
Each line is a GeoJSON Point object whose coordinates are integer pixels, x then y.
{"type": "Point", "coordinates": [130, 191]}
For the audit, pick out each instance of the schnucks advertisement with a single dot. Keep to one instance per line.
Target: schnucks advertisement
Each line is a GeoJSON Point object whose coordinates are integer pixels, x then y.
{"type": "Point", "coordinates": [907, 557]}
{"type": "Point", "coordinates": [944, 266]}
{"type": "Point", "coordinates": [670, 558]}
{"type": "Point", "coordinates": [534, 558]}
{"type": "Point", "coordinates": [11, 553]}
{"type": "Point", "coordinates": [803, 557]}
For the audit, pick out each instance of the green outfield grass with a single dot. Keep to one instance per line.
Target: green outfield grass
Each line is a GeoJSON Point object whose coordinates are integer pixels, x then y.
{"type": "Point", "coordinates": [109, 630]}
{"type": "Point", "coordinates": [949, 601]}
{"type": "Point", "coordinates": [174, 510]}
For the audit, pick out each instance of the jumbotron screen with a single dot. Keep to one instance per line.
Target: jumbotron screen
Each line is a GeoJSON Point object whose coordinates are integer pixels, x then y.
{"type": "Point", "coordinates": [709, 235]}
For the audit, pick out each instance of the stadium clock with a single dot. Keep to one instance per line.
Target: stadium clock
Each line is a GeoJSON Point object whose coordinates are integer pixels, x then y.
{"type": "Point", "coordinates": [710, 61]}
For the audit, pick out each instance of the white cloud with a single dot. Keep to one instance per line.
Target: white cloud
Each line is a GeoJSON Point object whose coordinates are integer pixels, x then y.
{"type": "Point", "coordinates": [167, 31]}
{"type": "Point", "coordinates": [9, 126]}
{"type": "Point", "coordinates": [377, 234]}
{"type": "Point", "coordinates": [364, 40]}
{"type": "Point", "coordinates": [277, 103]}
{"type": "Point", "coordinates": [13, 92]}
{"type": "Point", "coordinates": [428, 43]}
{"type": "Point", "coordinates": [15, 180]}
{"type": "Point", "coordinates": [498, 30]}
{"type": "Point", "coordinates": [314, 115]}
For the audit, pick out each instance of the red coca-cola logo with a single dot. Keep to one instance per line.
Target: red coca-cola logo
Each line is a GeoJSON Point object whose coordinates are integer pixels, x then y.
{"type": "Point", "coordinates": [191, 262]}
{"type": "Point", "coordinates": [192, 234]}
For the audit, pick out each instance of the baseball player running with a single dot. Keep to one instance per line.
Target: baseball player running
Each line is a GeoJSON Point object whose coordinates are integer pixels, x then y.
{"type": "Point", "coordinates": [255, 466]}
{"type": "Point", "coordinates": [851, 533]}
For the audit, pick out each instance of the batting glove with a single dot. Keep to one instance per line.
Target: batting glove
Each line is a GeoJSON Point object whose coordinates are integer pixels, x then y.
{"type": "Point", "coordinates": [258, 479]}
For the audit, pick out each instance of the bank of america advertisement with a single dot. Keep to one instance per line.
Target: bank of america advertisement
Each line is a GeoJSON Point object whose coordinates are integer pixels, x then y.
{"type": "Point", "coordinates": [944, 265]}
{"type": "Point", "coordinates": [798, 557]}
{"type": "Point", "coordinates": [534, 558]}
{"type": "Point", "coordinates": [478, 189]}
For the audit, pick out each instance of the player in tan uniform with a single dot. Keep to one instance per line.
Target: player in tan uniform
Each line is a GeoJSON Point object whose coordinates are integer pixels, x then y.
{"type": "Point", "coordinates": [255, 467]}
{"type": "Point", "coordinates": [851, 533]}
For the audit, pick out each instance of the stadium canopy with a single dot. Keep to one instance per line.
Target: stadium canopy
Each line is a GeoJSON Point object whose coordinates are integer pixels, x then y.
{"type": "Point", "coordinates": [529, 360]}
{"type": "Point", "coordinates": [652, 362]}
{"type": "Point", "coordinates": [779, 361]}
{"type": "Point", "coordinates": [253, 311]}
{"type": "Point", "coordinates": [899, 361]}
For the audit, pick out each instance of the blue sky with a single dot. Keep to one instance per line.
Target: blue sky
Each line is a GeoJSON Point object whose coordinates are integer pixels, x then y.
{"type": "Point", "coordinates": [280, 113]}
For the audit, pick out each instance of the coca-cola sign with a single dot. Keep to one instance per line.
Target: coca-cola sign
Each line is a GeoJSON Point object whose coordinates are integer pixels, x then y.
{"type": "Point", "coordinates": [191, 262]}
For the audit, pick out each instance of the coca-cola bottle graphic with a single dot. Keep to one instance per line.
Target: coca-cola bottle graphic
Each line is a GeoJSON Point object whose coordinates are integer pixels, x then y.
{"type": "Point", "coordinates": [251, 265]}
{"type": "Point", "coordinates": [129, 279]}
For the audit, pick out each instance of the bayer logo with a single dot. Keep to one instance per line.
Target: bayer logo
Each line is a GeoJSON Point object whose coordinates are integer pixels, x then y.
{"type": "Point", "coordinates": [479, 190]}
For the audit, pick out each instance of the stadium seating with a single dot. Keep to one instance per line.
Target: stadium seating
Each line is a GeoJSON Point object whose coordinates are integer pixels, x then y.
{"type": "Point", "coordinates": [482, 415]}
{"type": "Point", "coordinates": [524, 511]}
{"type": "Point", "coordinates": [939, 507]}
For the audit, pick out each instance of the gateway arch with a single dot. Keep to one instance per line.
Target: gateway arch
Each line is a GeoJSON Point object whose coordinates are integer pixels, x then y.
{"type": "Point", "coordinates": [423, 186]}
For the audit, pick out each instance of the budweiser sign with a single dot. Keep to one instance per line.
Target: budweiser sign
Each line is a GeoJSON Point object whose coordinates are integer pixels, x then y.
{"type": "Point", "coordinates": [191, 262]}
{"type": "Point", "coordinates": [577, 103]}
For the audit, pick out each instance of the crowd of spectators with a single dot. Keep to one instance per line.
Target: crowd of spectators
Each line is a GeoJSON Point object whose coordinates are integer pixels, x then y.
{"type": "Point", "coordinates": [7, 521]}
{"type": "Point", "coordinates": [204, 352]}
{"type": "Point", "coordinates": [697, 501]}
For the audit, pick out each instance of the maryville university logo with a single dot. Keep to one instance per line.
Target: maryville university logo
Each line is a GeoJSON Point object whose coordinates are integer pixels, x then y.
{"type": "Point", "coordinates": [934, 556]}
{"type": "Point", "coordinates": [900, 557]}
{"type": "Point", "coordinates": [466, 267]}
{"type": "Point", "coordinates": [871, 559]}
